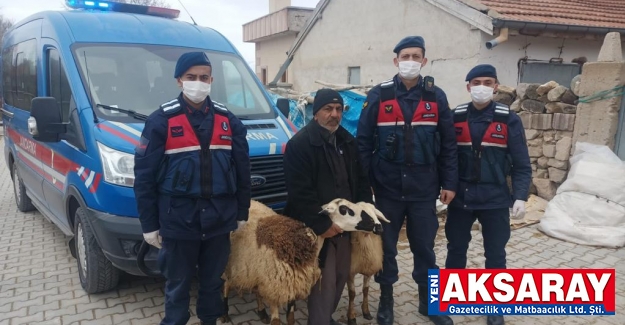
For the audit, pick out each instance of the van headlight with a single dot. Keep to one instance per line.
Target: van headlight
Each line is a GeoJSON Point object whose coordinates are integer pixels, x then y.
{"type": "Point", "coordinates": [118, 166]}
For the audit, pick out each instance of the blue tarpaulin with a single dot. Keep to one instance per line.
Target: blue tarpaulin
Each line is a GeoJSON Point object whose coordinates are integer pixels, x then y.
{"type": "Point", "coordinates": [353, 103]}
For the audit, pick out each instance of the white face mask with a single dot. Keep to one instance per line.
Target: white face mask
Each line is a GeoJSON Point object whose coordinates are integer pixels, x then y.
{"type": "Point", "coordinates": [482, 94]}
{"type": "Point", "coordinates": [409, 69]}
{"type": "Point", "coordinates": [196, 91]}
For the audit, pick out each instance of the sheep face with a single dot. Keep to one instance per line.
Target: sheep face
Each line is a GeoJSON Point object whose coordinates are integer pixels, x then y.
{"type": "Point", "coordinates": [354, 216]}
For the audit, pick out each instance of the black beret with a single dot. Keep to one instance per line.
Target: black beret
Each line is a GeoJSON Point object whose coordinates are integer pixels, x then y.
{"type": "Point", "coordinates": [482, 70]}
{"type": "Point", "coordinates": [410, 41]}
{"type": "Point", "coordinates": [326, 96]}
{"type": "Point", "coordinates": [188, 60]}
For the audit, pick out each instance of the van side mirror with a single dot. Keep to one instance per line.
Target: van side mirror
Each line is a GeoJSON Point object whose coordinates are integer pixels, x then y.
{"type": "Point", "coordinates": [283, 106]}
{"type": "Point", "coordinates": [45, 123]}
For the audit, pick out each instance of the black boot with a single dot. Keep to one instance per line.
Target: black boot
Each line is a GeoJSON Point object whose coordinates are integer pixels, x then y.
{"type": "Point", "coordinates": [423, 309]}
{"type": "Point", "coordinates": [385, 308]}
{"type": "Point", "coordinates": [495, 320]}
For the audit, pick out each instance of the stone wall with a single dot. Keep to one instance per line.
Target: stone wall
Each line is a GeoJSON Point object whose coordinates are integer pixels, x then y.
{"type": "Point", "coordinates": [548, 115]}
{"type": "Point", "coordinates": [597, 121]}
{"type": "Point", "coordinates": [554, 120]}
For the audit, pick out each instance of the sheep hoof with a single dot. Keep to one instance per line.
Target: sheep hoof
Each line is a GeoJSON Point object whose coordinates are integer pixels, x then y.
{"type": "Point", "coordinates": [351, 321]}
{"type": "Point", "coordinates": [225, 319]}
{"type": "Point", "coordinates": [367, 316]}
{"type": "Point", "coordinates": [262, 314]}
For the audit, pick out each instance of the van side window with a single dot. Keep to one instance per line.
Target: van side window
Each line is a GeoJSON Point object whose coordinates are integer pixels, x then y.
{"type": "Point", "coordinates": [25, 74]}
{"type": "Point", "coordinates": [8, 76]}
{"type": "Point", "coordinates": [58, 86]}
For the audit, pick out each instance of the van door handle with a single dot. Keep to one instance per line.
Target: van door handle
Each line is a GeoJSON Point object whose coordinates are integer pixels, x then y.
{"type": "Point", "coordinates": [7, 113]}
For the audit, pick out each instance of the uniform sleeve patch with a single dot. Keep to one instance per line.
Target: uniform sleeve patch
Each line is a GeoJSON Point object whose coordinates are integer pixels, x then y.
{"type": "Point", "coordinates": [142, 146]}
{"type": "Point", "coordinates": [365, 105]}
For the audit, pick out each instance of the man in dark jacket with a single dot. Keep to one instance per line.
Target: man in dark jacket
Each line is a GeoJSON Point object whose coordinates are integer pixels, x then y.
{"type": "Point", "coordinates": [491, 146]}
{"type": "Point", "coordinates": [406, 141]}
{"type": "Point", "coordinates": [192, 185]}
{"type": "Point", "coordinates": [321, 164]}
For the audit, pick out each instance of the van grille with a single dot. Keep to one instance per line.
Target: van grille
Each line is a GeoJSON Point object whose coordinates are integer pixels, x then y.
{"type": "Point", "coordinates": [260, 126]}
{"type": "Point", "coordinates": [272, 169]}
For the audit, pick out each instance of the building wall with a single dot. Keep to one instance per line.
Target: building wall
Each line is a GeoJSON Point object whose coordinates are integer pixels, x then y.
{"type": "Point", "coordinates": [272, 54]}
{"type": "Point", "coordinates": [275, 5]}
{"type": "Point", "coordinates": [364, 32]}
{"type": "Point", "coordinates": [505, 57]}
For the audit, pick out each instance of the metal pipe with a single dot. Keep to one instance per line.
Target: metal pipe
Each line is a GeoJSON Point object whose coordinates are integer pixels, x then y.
{"type": "Point", "coordinates": [503, 36]}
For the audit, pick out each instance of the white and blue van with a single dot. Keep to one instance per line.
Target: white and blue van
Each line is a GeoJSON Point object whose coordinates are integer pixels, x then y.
{"type": "Point", "coordinates": [77, 86]}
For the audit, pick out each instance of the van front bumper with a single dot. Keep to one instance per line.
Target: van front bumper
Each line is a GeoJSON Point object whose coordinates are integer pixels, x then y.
{"type": "Point", "coordinates": [120, 238]}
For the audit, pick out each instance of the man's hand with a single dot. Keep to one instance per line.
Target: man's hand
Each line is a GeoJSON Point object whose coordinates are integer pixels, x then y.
{"type": "Point", "coordinates": [447, 196]}
{"type": "Point", "coordinates": [241, 224]}
{"type": "Point", "coordinates": [154, 239]}
{"type": "Point", "coordinates": [333, 231]}
{"type": "Point", "coordinates": [518, 210]}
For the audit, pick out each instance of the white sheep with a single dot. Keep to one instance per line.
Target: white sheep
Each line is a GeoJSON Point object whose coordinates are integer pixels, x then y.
{"type": "Point", "coordinates": [276, 257]}
{"type": "Point", "coordinates": [366, 259]}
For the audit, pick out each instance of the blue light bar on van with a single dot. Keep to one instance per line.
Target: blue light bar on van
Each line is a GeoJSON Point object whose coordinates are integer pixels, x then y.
{"type": "Point", "coordinates": [123, 7]}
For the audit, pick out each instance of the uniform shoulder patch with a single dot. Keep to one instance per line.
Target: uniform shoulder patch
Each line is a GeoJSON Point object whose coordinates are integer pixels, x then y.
{"type": "Point", "coordinates": [502, 113]}
{"type": "Point", "coordinates": [365, 105]}
{"type": "Point", "coordinates": [387, 84]}
{"type": "Point", "coordinates": [461, 109]}
{"type": "Point", "coordinates": [220, 107]}
{"type": "Point", "coordinates": [171, 106]}
{"type": "Point", "coordinates": [502, 109]}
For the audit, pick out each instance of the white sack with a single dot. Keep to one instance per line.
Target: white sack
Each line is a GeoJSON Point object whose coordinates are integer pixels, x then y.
{"type": "Point", "coordinates": [589, 207]}
{"type": "Point", "coordinates": [596, 170]}
{"type": "Point", "coordinates": [584, 219]}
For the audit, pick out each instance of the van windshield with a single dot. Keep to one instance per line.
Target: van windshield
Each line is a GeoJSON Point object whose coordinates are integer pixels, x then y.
{"type": "Point", "coordinates": [140, 78]}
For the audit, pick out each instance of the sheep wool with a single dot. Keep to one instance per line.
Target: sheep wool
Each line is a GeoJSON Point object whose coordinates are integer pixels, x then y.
{"type": "Point", "coordinates": [259, 210]}
{"type": "Point", "coordinates": [367, 256]}
{"type": "Point", "coordinates": [275, 257]}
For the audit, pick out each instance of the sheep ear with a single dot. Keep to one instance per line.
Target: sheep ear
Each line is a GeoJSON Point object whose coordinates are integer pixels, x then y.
{"type": "Point", "coordinates": [378, 214]}
{"type": "Point", "coordinates": [381, 216]}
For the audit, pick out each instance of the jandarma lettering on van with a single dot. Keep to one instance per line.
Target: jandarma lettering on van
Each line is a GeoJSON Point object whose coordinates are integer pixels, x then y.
{"type": "Point", "coordinates": [260, 136]}
{"type": "Point", "coordinates": [29, 146]}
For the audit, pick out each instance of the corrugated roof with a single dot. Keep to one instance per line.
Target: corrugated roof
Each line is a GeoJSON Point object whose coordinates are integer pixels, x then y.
{"type": "Point", "coordinates": [590, 13]}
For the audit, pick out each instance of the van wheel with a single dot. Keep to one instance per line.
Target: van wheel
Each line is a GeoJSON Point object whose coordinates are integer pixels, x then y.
{"type": "Point", "coordinates": [97, 273]}
{"type": "Point", "coordinates": [22, 200]}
